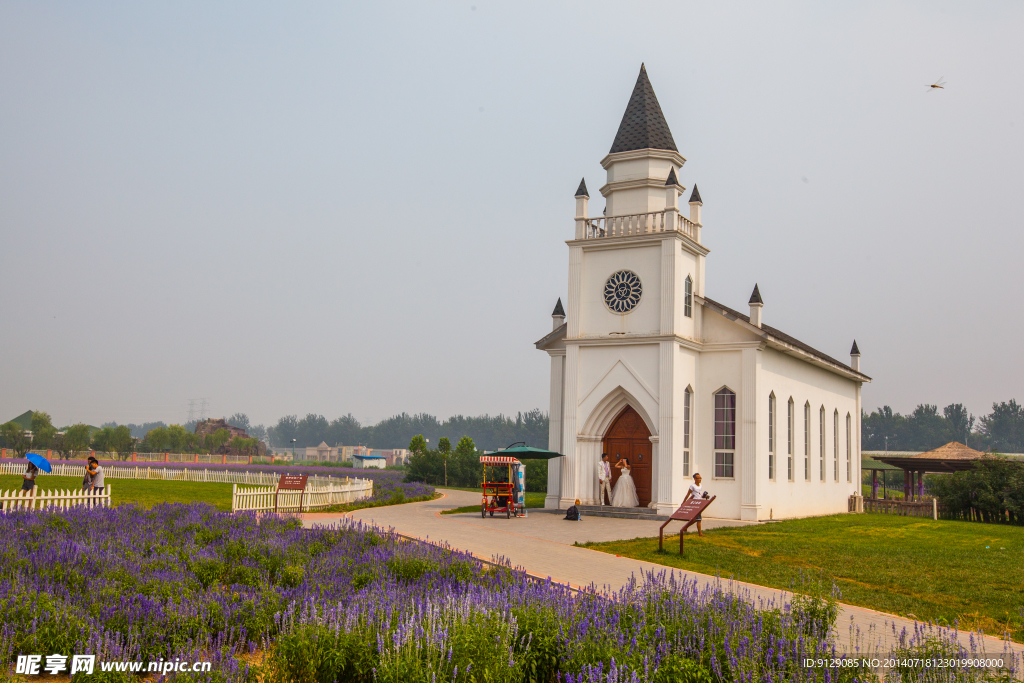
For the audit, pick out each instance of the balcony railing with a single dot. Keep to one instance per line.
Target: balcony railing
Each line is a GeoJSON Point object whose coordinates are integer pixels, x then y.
{"type": "Point", "coordinates": [639, 224]}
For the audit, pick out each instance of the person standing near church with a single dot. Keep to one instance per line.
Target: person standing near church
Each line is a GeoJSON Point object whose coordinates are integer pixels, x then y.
{"type": "Point", "coordinates": [604, 479]}
{"type": "Point", "coordinates": [696, 491]}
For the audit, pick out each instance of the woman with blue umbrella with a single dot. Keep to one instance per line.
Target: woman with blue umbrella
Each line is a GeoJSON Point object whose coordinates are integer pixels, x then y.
{"type": "Point", "coordinates": [36, 462]}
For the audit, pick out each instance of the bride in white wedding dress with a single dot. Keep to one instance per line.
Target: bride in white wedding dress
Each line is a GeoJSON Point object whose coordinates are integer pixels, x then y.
{"type": "Point", "coordinates": [624, 493]}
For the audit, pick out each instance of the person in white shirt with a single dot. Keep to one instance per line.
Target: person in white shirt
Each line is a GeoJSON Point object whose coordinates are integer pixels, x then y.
{"type": "Point", "coordinates": [604, 479]}
{"type": "Point", "coordinates": [696, 491]}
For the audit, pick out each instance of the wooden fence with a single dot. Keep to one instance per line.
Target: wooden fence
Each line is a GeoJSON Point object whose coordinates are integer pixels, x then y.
{"type": "Point", "coordinates": [926, 508]}
{"type": "Point", "coordinates": [269, 499]}
{"type": "Point", "coordinates": [52, 500]}
{"type": "Point", "coordinates": [187, 474]}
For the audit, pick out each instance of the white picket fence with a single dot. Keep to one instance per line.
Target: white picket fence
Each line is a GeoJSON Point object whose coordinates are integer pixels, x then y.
{"type": "Point", "coordinates": [52, 500]}
{"type": "Point", "coordinates": [186, 474]}
{"type": "Point", "coordinates": [269, 499]}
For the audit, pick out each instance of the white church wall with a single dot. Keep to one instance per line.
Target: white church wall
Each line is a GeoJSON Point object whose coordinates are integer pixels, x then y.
{"type": "Point", "coordinates": [598, 265]}
{"type": "Point", "coordinates": [720, 330]}
{"type": "Point", "coordinates": [628, 201]}
{"type": "Point", "coordinates": [781, 498]}
{"type": "Point", "coordinates": [686, 264]}
{"type": "Point", "coordinates": [608, 370]}
{"type": "Point", "coordinates": [715, 370]}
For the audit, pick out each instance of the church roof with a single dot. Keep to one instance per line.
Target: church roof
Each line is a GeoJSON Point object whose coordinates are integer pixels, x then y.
{"type": "Point", "coordinates": [671, 180]}
{"type": "Point", "coordinates": [695, 196]}
{"type": "Point", "coordinates": [643, 126]}
{"type": "Point", "coordinates": [581, 191]}
{"type": "Point", "coordinates": [854, 351]}
{"type": "Point", "coordinates": [553, 335]}
{"type": "Point", "coordinates": [558, 308]}
{"type": "Point", "coordinates": [783, 338]}
{"type": "Point", "coordinates": [755, 296]}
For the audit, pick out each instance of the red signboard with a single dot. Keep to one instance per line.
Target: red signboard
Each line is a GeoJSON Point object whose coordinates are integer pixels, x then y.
{"type": "Point", "coordinates": [292, 482]}
{"type": "Point", "coordinates": [687, 513]}
{"type": "Point", "coordinates": [689, 510]}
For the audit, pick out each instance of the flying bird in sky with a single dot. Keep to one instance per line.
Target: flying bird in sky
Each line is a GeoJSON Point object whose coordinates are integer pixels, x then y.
{"type": "Point", "coordinates": [938, 84]}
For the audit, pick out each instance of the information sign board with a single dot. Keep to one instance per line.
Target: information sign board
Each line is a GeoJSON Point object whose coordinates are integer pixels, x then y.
{"type": "Point", "coordinates": [687, 513]}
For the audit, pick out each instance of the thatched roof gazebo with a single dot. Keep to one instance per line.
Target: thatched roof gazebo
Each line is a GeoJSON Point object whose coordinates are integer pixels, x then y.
{"type": "Point", "coordinates": [953, 457]}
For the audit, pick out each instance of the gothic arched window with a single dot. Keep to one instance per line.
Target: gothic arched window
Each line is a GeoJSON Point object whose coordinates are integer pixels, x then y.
{"type": "Point", "coordinates": [688, 297]}
{"type": "Point", "coordinates": [725, 433]}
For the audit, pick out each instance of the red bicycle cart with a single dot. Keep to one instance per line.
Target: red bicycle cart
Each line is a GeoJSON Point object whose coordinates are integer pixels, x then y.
{"type": "Point", "coordinates": [500, 496]}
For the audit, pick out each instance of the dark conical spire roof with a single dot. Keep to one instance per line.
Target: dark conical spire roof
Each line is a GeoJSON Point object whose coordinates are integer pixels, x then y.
{"type": "Point", "coordinates": [755, 296]}
{"type": "Point", "coordinates": [695, 196]}
{"type": "Point", "coordinates": [671, 180]}
{"type": "Point", "coordinates": [643, 125]}
{"type": "Point", "coordinates": [854, 351]}
{"type": "Point", "coordinates": [581, 191]}
{"type": "Point", "coordinates": [558, 309]}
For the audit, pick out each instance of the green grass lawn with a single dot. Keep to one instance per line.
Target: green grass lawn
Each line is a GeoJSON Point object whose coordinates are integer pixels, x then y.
{"type": "Point", "coordinates": [143, 492]}
{"type": "Point", "coordinates": [533, 500]}
{"type": "Point", "coordinates": [936, 570]}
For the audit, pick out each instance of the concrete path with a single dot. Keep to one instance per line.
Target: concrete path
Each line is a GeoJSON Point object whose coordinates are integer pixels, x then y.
{"type": "Point", "coordinates": [542, 545]}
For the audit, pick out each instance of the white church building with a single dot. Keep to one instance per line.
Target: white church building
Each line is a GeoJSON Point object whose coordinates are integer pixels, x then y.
{"type": "Point", "coordinates": [645, 365]}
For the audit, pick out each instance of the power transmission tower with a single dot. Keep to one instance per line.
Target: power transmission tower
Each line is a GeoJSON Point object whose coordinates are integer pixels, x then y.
{"type": "Point", "coordinates": [203, 407]}
{"type": "Point", "coordinates": [191, 410]}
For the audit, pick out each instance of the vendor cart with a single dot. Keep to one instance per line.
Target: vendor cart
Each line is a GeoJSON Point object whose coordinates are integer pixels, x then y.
{"type": "Point", "coordinates": [502, 496]}
{"type": "Point", "coordinates": [509, 496]}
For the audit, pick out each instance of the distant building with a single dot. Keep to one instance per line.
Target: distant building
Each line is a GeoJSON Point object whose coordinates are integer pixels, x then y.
{"type": "Point", "coordinates": [369, 461]}
{"type": "Point", "coordinates": [210, 426]}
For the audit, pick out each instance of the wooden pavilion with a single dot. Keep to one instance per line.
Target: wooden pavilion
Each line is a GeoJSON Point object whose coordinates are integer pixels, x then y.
{"type": "Point", "coordinates": [953, 457]}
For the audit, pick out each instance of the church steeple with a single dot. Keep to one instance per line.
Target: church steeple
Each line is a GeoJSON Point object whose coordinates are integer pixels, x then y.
{"type": "Point", "coordinates": [643, 163]}
{"type": "Point", "coordinates": [643, 125]}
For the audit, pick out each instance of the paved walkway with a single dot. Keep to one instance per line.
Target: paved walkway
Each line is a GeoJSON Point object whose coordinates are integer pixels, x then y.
{"type": "Point", "coordinates": [542, 544]}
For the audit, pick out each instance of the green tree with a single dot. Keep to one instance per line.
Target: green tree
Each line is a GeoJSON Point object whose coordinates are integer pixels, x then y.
{"type": "Point", "coordinates": [178, 438]}
{"type": "Point", "coordinates": [444, 447]}
{"type": "Point", "coordinates": [15, 438]}
{"type": "Point", "coordinates": [1004, 427]}
{"type": "Point", "coordinates": [156, 440]}
{"type": "Point", "coordinates": [418, 444]}
{"type": "Point", "coordinates": [73, 439]}
{"type": "Point", "coordinates": [115, 440]}
{"type": "Point", "coordinates": [217, 439]}
{"type": "Point", "coordinates": [43, 430]}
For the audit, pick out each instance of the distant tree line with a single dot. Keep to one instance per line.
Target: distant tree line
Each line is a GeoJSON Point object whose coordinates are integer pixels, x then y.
{"type": "Point", "coordinates": [488, 432]}
{"type": "Point", "coordinates": [444, 466]}
{"type": "Point", "coordinates": [926, 428]}
{"type": "Point", "coordinates": [43, 436]}
{"type": "Point", "coordinates": [993, 491]}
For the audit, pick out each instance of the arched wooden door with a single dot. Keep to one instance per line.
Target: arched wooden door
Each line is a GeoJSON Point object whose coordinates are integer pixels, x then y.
{"type": "Point", "coordinates": [628, 437]}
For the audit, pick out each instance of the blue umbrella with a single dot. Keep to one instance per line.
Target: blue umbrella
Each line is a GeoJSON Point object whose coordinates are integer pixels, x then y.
{"type": "Point", "coordinates": [39, 461]}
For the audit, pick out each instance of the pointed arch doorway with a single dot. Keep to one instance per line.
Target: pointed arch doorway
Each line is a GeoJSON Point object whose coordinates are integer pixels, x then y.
{"type": "Point", "coordinates": [629, 437]}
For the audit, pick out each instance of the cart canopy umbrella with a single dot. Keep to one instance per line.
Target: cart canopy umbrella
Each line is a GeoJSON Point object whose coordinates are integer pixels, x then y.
{"type": "Point", "coordinates": [527, 453]}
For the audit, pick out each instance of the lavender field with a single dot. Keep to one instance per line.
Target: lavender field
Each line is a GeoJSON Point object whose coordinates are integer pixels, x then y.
{"type": "Point", "coordinates": [268, 601]}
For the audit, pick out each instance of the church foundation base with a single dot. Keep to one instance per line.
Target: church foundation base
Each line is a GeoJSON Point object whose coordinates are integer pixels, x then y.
{"type": "Point", "coordinates": [750, 513]}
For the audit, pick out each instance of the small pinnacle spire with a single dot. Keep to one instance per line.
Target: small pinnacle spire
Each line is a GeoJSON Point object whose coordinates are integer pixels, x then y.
{"type": "Point", "coordinates": [755, 296]}
{"type": "Point", "coordinates": [695, 196]}
{"type": "Point", "coordinates": [854, 351]}
{"type": "Point", "coordinates": [559, 311]}
{"type": "Point", "coordinates": [581, 191]}
{"type": "Point", "coordinates": [671, 180]}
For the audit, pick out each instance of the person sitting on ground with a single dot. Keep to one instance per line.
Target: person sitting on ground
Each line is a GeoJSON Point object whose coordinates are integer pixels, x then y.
{"type": "Point", "coordinates": [573, 513]}
{"type": "Point", "coordinates": [698, 492]}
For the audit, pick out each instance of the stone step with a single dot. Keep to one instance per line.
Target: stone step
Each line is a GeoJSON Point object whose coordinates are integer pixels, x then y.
{"type": "Point", "coordinates": [618, 513]}
{"type": "Point", "coordinates": [608, 508]}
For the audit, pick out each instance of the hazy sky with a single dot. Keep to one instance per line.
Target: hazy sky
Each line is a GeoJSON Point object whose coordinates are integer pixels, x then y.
{"type": "Point", "coordinates": [362, 207]}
